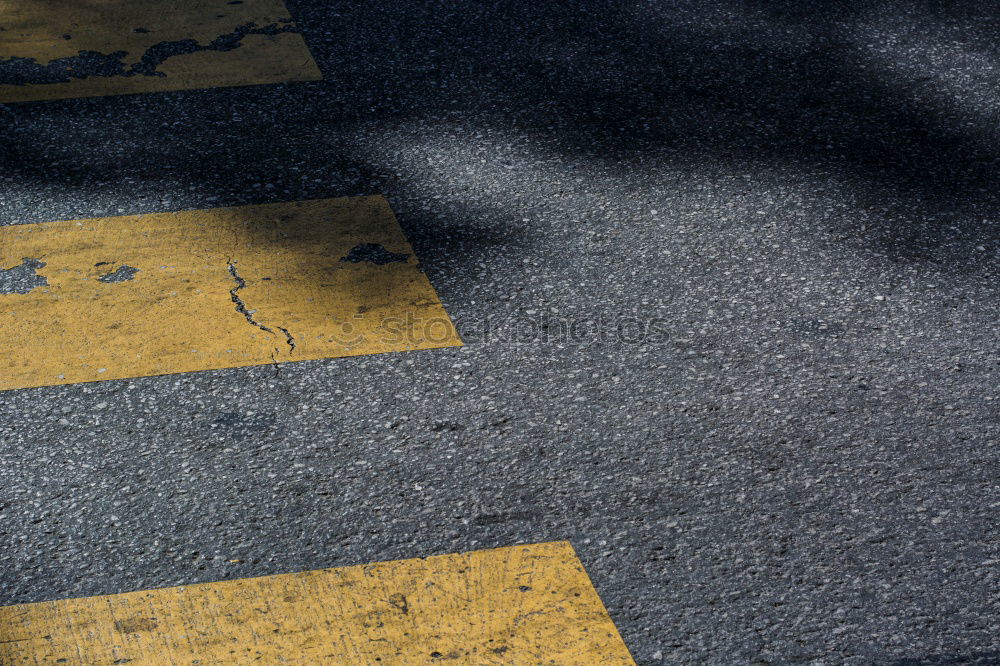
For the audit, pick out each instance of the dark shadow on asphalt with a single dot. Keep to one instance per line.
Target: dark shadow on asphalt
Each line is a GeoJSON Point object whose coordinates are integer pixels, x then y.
{"type": "Point", "coordinates": [758, 86]}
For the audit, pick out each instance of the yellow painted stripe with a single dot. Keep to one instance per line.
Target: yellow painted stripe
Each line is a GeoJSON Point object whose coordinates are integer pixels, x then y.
{"type": "Point", "coordinates": [520, 605]}
{"type": "Point", "coordinates": [157, 294]}
{"type": "Point", "coordinates": [51, 49]}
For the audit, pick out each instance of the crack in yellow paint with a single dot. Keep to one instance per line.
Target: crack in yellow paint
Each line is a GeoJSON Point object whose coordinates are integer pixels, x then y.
{"type": "Point", "coordinates": [217, 288]}
{"type": "Point", "coordinates": [529, 604]}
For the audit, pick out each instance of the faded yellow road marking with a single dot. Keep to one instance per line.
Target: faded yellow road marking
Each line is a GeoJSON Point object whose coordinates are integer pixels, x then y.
{"type": "Point", "coordinates": [52, 49]}
{"type": "Point", "coordinates": [144, 295]}
{"type": "Point", "coordinates": [520, 605]}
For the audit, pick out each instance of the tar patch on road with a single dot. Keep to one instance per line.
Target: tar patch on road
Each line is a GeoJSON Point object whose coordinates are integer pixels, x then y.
{"type": "Point", "coordinates": [518, 605]}
{"type": "Point", "coordinates": [54, 50]}
{"type": "Point", "coordinates": [217, 288]}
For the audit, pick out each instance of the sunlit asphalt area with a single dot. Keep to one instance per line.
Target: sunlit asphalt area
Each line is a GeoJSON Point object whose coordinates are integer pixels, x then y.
{"type": "Point", "coordinates": [727, 277]}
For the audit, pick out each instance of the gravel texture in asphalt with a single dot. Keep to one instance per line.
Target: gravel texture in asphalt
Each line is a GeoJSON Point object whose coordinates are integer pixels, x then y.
{"type": "Point", "coordinates": [727, 273]}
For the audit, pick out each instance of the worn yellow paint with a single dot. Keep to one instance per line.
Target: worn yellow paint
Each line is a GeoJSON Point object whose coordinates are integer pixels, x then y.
{"type": "Point", "coordinates": [181, 311]}
{"type": "Point", "coordinates": [50, 30]}
{"type": "Point", "coordinates": [521, 605]}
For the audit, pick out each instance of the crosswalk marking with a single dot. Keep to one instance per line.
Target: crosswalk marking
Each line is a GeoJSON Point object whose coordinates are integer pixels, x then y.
{"type": "Point", "coordinates": [529, 604]}
{"type": "Point", "coordinates": [143, 295]}
{"type": "Point", "coordinates": [52, 49]}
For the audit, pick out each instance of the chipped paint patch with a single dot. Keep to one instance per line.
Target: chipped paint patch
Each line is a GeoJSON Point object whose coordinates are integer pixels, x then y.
{"type": "Point", "coordinates": [55, 49]}
{"type": "Point", "coordinates": [374, 253]}
{"type": "Point", "coordinates": [529, 604]}
{"type": "Point", "coordinates": [123, 273]}
{"type": "Point", "coordinates": [17, 71]}
{"type": "Point", "coordinates": [23, 278]}
{"type": "Point", "coordinates": [219, 288]}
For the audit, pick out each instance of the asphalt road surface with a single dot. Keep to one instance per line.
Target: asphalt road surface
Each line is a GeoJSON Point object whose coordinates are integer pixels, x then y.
{"type": "Point", "coordinates": [727, 274]}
